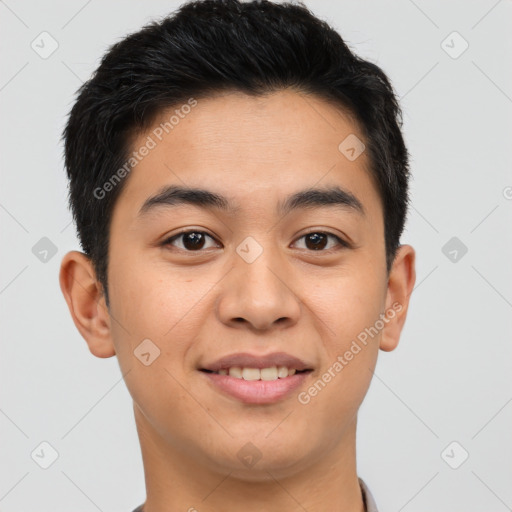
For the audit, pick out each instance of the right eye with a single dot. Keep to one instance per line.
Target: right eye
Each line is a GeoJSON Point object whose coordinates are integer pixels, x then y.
{"type": "Point", "coordinates": [190, 241]}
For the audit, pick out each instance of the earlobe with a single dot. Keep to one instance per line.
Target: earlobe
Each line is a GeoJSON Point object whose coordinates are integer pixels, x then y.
{"type": "Point", "coordinates": [400, 285]}
{"type": "Point", "coordinates": [86, 303]}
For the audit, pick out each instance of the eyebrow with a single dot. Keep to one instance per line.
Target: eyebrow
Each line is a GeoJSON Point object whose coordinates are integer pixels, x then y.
{"type": "Point", "coordinates": [174, 195]}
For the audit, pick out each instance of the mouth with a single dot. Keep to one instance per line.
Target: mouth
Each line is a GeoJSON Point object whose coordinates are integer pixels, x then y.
{"type": "Point", "coordinates": [250, 374]}
{"type": "Point", "coordinates": [255, 379]}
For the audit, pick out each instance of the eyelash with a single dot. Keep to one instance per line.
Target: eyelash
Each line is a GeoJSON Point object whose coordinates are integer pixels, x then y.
{"type": "Point", "coordinates": [341, 242]}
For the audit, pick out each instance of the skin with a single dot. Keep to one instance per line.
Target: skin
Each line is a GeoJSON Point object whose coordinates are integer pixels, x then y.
{"type": "Point", "coordinates": [198, 306]}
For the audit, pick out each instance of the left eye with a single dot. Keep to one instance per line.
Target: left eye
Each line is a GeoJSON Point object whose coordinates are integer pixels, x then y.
{"type": "Point", "coordinates": [192, 240]}
{"type": "Point", "coordinates": [317, 240]}
{"type": "Point", "coordinates": [196, 240]}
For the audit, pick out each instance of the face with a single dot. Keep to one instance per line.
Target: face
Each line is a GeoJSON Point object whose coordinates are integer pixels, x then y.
{"type": "Point", "coordinates": [263, 277]}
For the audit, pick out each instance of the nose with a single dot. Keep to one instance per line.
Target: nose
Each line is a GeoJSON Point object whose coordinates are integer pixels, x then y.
{"type": "Point", "coordinates": [259, 294]}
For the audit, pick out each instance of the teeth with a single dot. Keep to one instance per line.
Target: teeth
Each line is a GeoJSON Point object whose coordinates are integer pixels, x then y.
{"type": "Point", "coordinates": [251, 374]}
{"type": "Point", "coordinates": [282, 372]}
{"type": "Point", "coordinates": [235, 371]}
{"type": "Point", "coordinates": [271, 373]}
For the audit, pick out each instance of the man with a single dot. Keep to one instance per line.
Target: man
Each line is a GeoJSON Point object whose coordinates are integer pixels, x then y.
{"type": "Point", "coordinates": [239, 182]}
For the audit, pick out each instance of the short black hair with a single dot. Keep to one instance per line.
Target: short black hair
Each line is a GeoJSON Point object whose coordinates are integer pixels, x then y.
{"type": "Point", "coordinates": [208, 47]}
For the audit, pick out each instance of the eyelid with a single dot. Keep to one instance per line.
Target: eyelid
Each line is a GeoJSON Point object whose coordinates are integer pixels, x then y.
{"type": "Point", "coordinates": [167, 241]}
{"type": "Point", "coordinates": [341, 241]}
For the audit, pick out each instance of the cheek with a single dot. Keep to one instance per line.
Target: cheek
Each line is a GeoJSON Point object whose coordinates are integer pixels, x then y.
{"type": "Point", "coordinates": [356, 324]}
{"type": "Point", "coordinates": [152, 301]}
{"type": "Point", "coordinates": [347, 307]}
{"type": "Point", "coordinates": [147, 298]}
{"type": "Point", "coordinates": [351, 344]}
{"type": "Point", "coordinates": [154, 324]}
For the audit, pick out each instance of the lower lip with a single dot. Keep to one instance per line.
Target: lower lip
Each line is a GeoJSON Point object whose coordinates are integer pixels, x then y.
{"type": "Point", "coordinates": [257, 391]}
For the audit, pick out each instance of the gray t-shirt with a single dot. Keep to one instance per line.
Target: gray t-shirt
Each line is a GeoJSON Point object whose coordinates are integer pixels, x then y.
{"type": "Point", "coordinates": [369, 502]}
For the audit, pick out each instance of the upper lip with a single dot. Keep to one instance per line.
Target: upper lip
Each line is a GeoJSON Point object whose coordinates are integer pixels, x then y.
{"type": "Point", "coordinates": [246, 360]}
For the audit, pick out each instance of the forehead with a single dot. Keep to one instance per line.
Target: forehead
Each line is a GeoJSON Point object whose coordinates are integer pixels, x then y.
{"type": "Point", "coordinates": [255, 149]}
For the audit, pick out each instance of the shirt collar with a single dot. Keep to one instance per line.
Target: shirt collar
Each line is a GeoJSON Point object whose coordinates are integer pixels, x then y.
{"type": "Point", "coordinates": [369, 502]}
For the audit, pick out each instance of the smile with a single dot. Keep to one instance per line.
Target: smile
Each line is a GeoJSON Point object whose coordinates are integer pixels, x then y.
{"type": "Point", "coordinates": [252, 385]}
{"type": "Point", "coordinates": [270, 373]}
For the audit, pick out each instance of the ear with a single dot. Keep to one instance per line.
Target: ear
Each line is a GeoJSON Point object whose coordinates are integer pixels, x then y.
{"type": "Point", "coordinates": [86, 302]}
{"type": "Point", "coordinates": [400, 285]}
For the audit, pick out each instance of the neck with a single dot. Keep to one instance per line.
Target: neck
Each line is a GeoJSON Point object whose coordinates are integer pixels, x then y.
{"type": "Point", "coordinates": [176, 481]}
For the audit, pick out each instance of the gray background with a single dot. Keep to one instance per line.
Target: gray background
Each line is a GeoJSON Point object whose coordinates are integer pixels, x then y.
{"type": "Point", "coordinates": [450, 378]}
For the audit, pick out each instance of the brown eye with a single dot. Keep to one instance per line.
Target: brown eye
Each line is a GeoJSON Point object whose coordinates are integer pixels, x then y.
{"type": "Point", "coordinates": [190, 240]}
{"type": "Point", "coordinates": [318, 241]}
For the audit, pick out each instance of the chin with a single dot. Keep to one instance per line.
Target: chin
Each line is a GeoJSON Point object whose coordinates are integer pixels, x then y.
{"type": "Point", "coordinates": [261, 460]}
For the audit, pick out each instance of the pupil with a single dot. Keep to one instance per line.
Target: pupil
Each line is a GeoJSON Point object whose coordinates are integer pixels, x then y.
{"type": "Point", "coordinates": [318, 240]}
{"type": "Point", "coordinates": [196, 239]}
